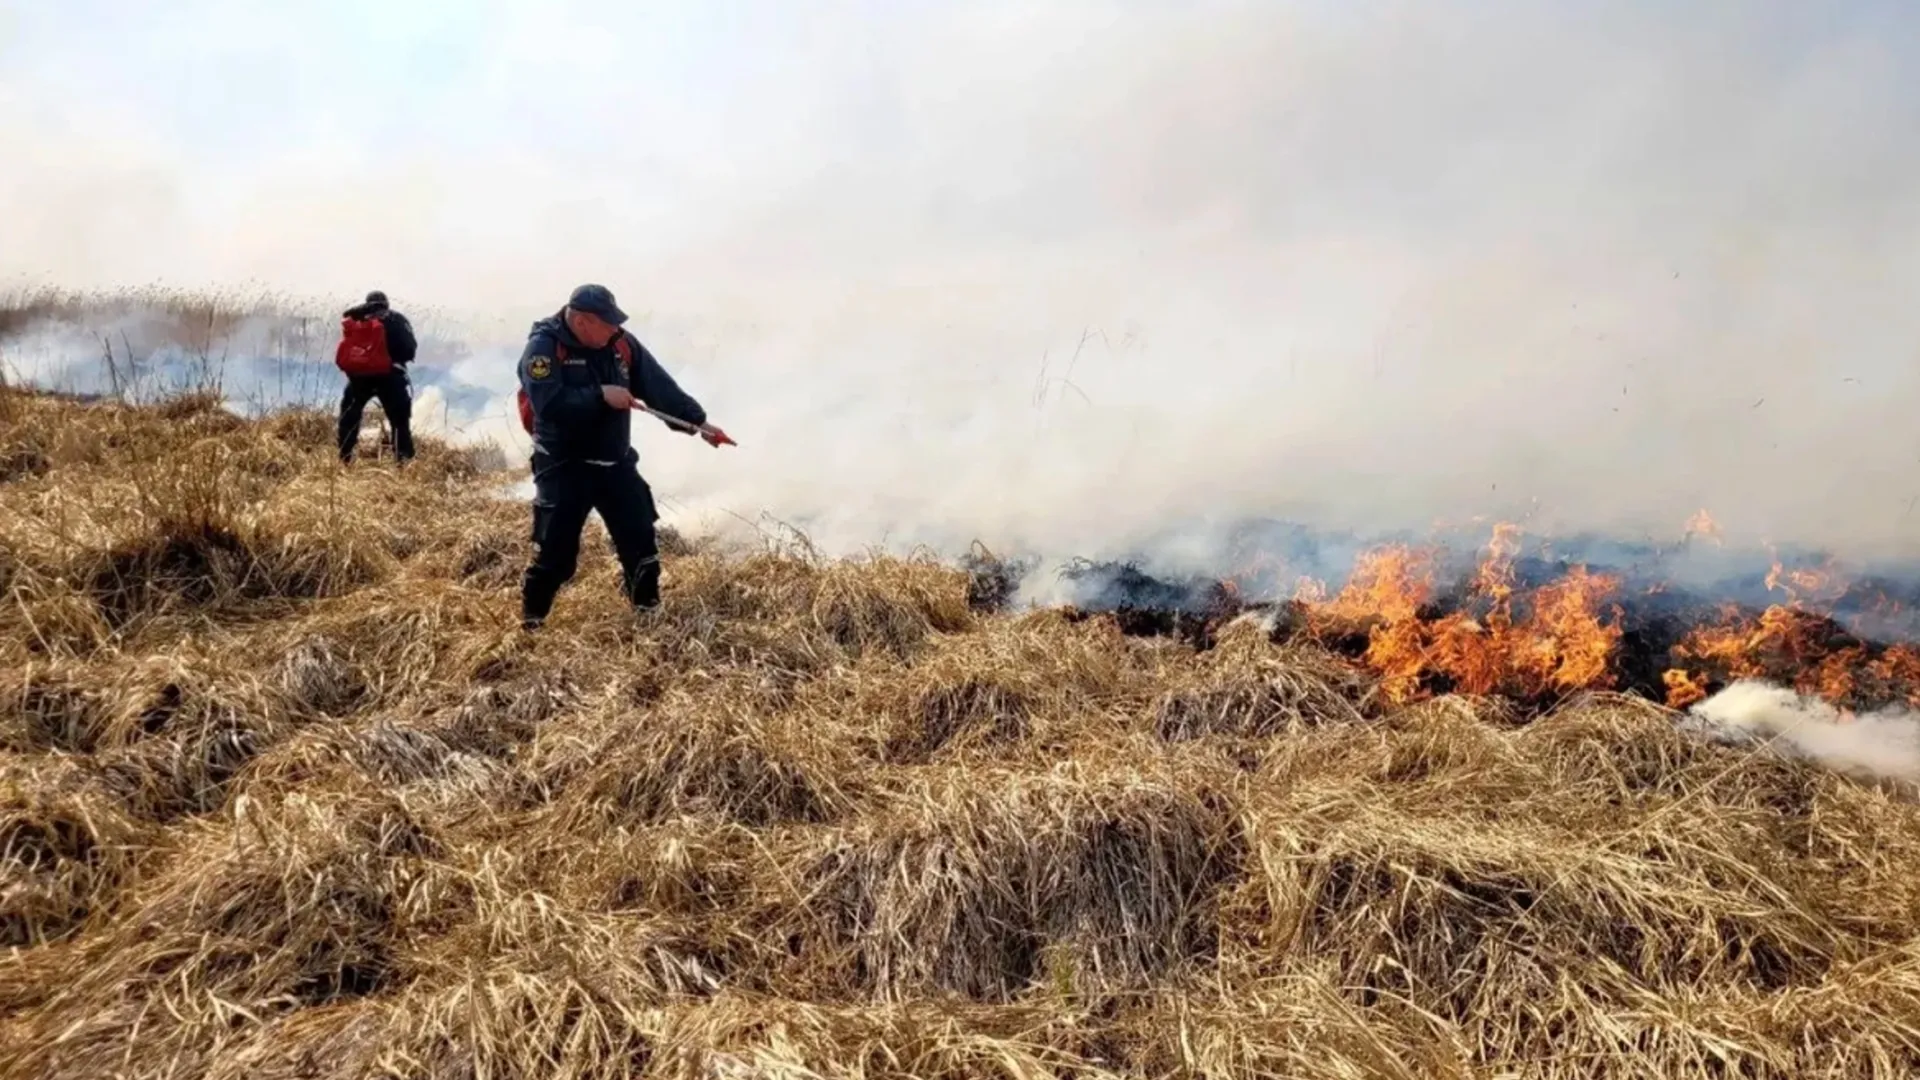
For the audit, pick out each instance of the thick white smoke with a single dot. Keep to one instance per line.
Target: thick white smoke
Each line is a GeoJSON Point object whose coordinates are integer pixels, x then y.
{"type": "Point", "coordinates": [1060, 276]}
{"type": "Point", "coordinates": [1881, 745]}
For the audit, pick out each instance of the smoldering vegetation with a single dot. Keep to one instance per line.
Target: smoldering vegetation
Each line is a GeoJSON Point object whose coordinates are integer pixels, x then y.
{"type": "Point", "coordinates": [1530, 619]}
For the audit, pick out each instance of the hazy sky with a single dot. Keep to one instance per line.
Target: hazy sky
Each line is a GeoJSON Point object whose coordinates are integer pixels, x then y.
{"type": "Point", "coordinates": [1379, 262]}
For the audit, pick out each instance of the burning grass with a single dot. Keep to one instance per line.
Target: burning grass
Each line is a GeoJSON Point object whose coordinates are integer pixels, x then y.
{"type": "Point", "coordinates": [285, 793]}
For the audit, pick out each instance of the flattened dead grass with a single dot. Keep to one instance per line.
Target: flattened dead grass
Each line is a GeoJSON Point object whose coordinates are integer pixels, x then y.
{"type": "Point", "coordinates": [66, 849]}
{"type": "Point", "coordinates": [285, 793]}
{"type": "Point", "coordinates": [1244, 688]}
{"type": "Point", "coordinates": [984, 882]}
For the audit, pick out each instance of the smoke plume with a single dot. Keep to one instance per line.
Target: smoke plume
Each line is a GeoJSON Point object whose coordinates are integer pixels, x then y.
{"type": "Point", "coordinates": [1093, 275]}
{"type": "Point", "coordinates": [1884, 744]}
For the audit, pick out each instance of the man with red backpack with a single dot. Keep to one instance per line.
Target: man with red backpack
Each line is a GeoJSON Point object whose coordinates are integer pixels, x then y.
{"type": "Point", "coordinates": [581, 377]}
{"type": "Point", "coordinates": [376, 345]}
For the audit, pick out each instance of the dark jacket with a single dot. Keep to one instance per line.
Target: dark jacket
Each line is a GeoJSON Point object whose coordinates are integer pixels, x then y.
{"type": "Point", "coordinates": [571, 419]}
{"type": "Point", "coordinates": [401, 346]}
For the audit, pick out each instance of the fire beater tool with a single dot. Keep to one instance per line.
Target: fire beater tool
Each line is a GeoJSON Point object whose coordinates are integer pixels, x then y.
{"type": "Point", "coordinates": [718, 438]}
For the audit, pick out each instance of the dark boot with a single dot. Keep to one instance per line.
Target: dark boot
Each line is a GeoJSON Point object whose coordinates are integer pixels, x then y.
{"type": "Point", "coordinates": [643, 585]}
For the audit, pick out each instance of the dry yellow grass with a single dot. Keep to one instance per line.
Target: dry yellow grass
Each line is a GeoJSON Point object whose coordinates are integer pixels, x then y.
{"type": "Point", "coordinates": [285, 793]}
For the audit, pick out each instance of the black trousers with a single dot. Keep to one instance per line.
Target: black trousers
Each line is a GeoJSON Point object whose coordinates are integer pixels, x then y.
{"type": "Point", "coordinates": [395, 392]}
{"type": "Point", "coordinates": [564, 494]}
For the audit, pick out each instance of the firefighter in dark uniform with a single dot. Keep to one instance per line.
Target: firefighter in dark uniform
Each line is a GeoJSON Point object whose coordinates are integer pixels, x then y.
{"type": "Point", "coordinates": [394, 390]}
{"type": "Point", "coordinates": [581, 394]}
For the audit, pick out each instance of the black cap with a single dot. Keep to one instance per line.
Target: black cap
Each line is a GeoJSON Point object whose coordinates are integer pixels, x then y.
{"type": "Point", "coordinates": [596, 300]}
{"type": "Point", "coordinates": [376, 298]}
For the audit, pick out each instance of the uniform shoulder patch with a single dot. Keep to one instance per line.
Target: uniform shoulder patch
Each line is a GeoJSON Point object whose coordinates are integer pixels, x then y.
{"type": "Point", "coordinates": [540, 367]}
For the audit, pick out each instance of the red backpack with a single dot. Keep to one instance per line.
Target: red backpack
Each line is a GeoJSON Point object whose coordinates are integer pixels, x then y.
{"type": "Point", "coordinates": [363, 348]}
{"type": "Point", "coordinates": [620, 346]}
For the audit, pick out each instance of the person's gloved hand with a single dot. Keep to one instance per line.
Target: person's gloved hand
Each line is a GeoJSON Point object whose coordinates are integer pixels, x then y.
{"type": "Point", "coordinates": [716, 437]}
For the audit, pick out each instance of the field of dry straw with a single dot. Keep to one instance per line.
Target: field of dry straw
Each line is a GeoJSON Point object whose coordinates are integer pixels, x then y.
{"type": "Point", "coordinates": [285, 793]}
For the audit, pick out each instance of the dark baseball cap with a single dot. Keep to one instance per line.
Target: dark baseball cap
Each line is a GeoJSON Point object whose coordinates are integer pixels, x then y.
{"type": "Point", "coordinates": [597, 300]}
{"type": "Point", "coordinates": [377, 297]}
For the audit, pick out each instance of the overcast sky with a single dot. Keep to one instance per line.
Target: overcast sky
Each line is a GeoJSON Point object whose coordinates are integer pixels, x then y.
{"type": "Point", "coordinates": [1375, 261]}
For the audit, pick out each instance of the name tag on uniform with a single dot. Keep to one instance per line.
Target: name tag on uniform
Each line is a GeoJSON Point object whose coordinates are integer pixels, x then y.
{"type": "Point", "coordinates": [574, 361]}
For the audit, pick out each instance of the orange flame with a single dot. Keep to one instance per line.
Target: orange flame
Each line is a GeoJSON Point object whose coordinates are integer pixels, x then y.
{"type": "Point", "coordinates": [1822, 585]}
{"type": "Point", "coordinates": [1683, 689]}
{"type": "Point", "coordinates": [1567, 635]}
{"type": "Point", "coordinates": [1702, 524]}
{"type": "Point", "coordinates": [1563, 644]}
